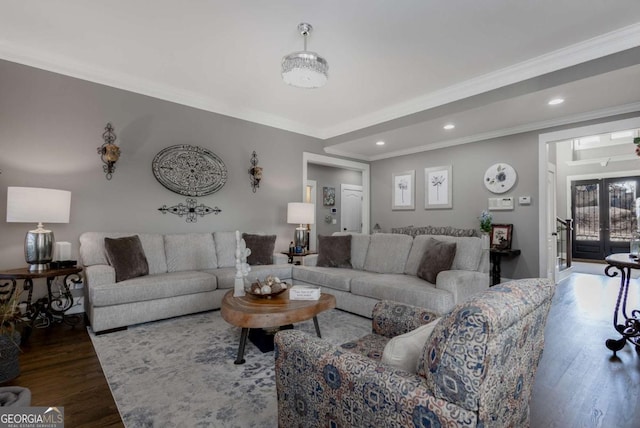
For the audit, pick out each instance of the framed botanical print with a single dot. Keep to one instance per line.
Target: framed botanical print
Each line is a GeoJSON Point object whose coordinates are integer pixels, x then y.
{"type": "Point", "coordinates": [328, 196]}
{"type": "Point", "coordinates": [437, 187]}
{"type": "Point", "coordinates": [501, 236]}
{"type": "Point", "coordinates": [403, 193]}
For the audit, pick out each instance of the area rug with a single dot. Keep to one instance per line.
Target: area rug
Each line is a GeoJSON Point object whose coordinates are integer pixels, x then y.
{"type": "Point", "coordinates": [179, 372]}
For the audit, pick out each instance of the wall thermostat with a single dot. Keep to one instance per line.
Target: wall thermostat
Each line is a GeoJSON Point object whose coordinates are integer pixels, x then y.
{"type": "Point", "coordinates": [524, 200]}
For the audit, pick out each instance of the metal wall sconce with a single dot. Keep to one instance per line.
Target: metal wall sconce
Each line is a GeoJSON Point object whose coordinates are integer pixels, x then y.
{"type": "Point", "coordinates": [255, 172]}
{"type": "Point", "coordinates": [108, 151]}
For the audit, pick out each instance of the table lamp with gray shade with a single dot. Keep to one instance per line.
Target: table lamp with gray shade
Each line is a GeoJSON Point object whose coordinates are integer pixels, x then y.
{"type": "Point", "coordinates": [37, 205]}
{"type": "Point", "coordinates": [301, 213]}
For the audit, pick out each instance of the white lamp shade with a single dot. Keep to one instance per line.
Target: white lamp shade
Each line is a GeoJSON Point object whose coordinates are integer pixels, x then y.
{"type": "Point", "coordinates": [301, 213]}
{"type": "Point", "coordinates": [37, 205]}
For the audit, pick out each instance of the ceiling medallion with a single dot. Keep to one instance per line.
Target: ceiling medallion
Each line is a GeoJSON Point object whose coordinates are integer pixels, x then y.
{"type": "Point", "coordinates": [500, 178]}
{"type": "Point", "coordinates": [189, 170]}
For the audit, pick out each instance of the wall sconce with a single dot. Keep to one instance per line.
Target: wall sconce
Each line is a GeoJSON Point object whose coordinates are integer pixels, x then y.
{"type": "Point", "coordinates": [255, 172]}
{"type": "Point", "coordinates": [108, 151]}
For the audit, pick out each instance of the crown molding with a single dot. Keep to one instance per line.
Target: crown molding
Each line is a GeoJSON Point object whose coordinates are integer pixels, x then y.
{"type": "Point", "coordinates": [72, 68]}
{"type": "Point", "coordinates": [606, 44]}
{"type": "Point", "coordinates": [597, 47]}
{"type": "Point", "coordinates": [595, 114]}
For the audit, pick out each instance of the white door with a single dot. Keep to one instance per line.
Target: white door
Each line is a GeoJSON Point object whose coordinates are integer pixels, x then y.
{"type": "Point", "coordinates": [351, 208]}
{"type": "Point", "coordinates": [552, 236]}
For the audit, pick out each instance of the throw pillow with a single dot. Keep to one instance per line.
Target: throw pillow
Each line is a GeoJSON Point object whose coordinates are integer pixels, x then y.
{"type": "Point", "coordinates": [262, 248]}
{"type": "Point", "coordinates": [126, 255]}
{"type": "Point", "coordinates": [334, 251]}
{"type": "Point", "coordinates": [438, 256]}
{"type": "Point", "coordinates": [404, 351]}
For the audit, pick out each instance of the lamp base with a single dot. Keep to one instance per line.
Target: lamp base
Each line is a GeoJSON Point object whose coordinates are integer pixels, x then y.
{"type": "Point", "coordinates": [300, 239]}
{"type": "Point", "coordinates": [38, 249]}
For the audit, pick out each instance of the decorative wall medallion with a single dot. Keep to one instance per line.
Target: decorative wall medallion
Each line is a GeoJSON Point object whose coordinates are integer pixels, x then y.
{"type": "Point", "coordinates": [189, 170]}
{"type": "Point", "coordinates": [192, 210]}
{"type": "Point", "coordinates": [500, 178]}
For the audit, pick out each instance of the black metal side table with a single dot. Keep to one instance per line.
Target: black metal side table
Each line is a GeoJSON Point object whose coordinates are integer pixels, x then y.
{"type": "Point", "coordinates": [496, 258]}
{"type": "Point", "coordinates": [629, 326]}
{"type": "Point", "coordinates": [302, 255]}
{"type": "Point", "coordinates": [47, 309]}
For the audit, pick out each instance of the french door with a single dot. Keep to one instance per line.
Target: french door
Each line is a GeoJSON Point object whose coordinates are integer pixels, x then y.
{"type": "Point", "coordinates": [604, 216]}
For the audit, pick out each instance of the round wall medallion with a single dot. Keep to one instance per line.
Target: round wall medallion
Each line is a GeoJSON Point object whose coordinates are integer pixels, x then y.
{"type": "Point", "coordinates": [500, 178]}
{"type": "Point", "coordinates": [189, 170]}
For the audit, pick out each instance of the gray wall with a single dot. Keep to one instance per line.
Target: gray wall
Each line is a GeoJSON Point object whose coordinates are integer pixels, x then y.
{"type": "Point", "coordinates": [51, 125]}
{"type": "Point", "coordinates": [469, 163]}
{"type": "Point", "coordinates": [326, 176]}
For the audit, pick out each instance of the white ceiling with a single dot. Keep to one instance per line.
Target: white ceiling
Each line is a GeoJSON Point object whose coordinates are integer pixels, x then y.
{"type": "Point", "coordinates": [397, 69]}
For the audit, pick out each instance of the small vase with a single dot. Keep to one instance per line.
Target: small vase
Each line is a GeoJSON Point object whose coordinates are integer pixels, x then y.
{"type": "Point", "coordinates": [484, 236]}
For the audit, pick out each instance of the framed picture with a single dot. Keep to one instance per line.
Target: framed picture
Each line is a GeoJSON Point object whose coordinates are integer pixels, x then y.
{"type": "Point", "coordinates": [501, 236]}
{"type": "Point", "coordinates": [437, 187]}
{"type": "Point", "coordinates": [328, 196]}
{"type": "Point", "coordinates": [403, 194]}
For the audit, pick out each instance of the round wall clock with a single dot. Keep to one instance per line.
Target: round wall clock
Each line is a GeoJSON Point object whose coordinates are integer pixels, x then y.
{"type": "Point", "coordinates": [500, 178]}
{"type": "Point", "coordinates": [189, 170]}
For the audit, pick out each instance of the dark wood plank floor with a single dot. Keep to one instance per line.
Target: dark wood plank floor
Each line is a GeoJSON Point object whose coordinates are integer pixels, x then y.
{"type": "Point", "coordinates": [578, 383]}
{"type": "Point", "coordinates": [60, 367]}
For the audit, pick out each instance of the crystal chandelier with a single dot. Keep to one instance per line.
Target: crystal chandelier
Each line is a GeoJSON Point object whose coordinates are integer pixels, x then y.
{"type": "Point", "coordinates": [305, 69]}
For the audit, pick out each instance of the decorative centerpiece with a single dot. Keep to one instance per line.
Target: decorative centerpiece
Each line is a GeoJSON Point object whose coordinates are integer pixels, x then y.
{"type": "Point", "coordinates": [271, 286]}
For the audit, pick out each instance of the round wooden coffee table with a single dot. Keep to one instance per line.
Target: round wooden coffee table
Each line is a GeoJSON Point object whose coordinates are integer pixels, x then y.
{"type": "Point", "coordinates": [254, 312]}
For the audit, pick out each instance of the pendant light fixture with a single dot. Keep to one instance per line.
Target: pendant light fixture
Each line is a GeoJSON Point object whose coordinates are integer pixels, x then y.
{"type": "Point", "coordinates": [305, 69]}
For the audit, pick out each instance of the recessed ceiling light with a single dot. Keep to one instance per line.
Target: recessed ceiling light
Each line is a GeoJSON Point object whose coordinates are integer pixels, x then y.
{"type": "Point", "coordinates": [449, 126]}
{"type": "Point", "coordinates": [556, 101]}
{"type": "Point", "coordinates": [380, 143]}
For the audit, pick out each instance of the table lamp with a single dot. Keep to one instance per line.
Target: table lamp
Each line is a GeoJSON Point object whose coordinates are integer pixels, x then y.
{"type": "Point", "coordinates": [301, 213]}
{"type": "Point", "coordinates": [37, 205]}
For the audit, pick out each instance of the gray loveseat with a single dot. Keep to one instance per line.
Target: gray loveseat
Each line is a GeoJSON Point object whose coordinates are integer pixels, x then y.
{"type": "Point", "coordinates": [385, 267]}
{"type": "Point", "coordinates": [188, 273]}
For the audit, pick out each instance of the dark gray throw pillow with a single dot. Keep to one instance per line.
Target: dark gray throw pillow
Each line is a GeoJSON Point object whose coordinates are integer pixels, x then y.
{"type": "Point", "coordinates": [438, 256]}
{"type": "Point", "coordinates": [262, 248]}
{"type": "Point", "coordinates": [334, 251]}
{"type": "Point", "coordinates": [127, 257]}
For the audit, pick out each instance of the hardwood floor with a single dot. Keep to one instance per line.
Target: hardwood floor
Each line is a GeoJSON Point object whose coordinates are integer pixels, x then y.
{"type": "Point", "coordinates": [578, 383]}
{"type": "Point", "coordinates": [60, 367]}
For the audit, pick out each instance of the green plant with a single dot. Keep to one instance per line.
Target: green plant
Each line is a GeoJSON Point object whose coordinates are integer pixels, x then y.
{"type": "Point", "coordinates": [10, 315]}
{"type": "Point", "coordinates": [485, 221]}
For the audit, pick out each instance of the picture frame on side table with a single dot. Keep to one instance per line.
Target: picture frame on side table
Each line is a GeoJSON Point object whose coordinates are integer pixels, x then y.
{"type": "Point", "coordinates": [501, 235]}
{"type": "Point", "coordinates": [438, 188]}
{"type": "Point", "coordinates": [403, 190]}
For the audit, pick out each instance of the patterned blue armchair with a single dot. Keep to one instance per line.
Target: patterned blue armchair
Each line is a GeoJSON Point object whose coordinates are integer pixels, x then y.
{"type": "Point", "coordinates": [476, 370]}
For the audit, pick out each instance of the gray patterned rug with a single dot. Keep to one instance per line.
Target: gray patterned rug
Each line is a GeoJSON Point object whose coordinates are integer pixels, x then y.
{"type": "Point", "coordinates": [180, 372]}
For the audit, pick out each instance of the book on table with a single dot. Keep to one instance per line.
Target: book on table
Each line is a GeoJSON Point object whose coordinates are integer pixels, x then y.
{"type": "Point", "coordinates": [304, 292]}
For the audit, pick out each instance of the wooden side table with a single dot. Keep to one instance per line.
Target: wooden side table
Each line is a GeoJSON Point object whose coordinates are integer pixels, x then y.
{"type": "Point", "coordinates": [302, 255]}
{"type": "Point", "coordinates": [48, 309]}
{"type": "Point", "coordinates": [496, 258]}
{"type": "Point", "coordinates": [629, 327]}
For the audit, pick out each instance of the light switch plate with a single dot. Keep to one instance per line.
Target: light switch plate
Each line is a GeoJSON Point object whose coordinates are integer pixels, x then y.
{"type": "Point", "coordinates": [497, 204]}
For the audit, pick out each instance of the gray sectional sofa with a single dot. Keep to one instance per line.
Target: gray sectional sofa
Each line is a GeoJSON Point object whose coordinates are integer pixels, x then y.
{"type": "Point", "coordinates": [191, 272]}
{"type": "Point", "coordinates": [188, 273]}
{"type": "Point", "coordinates": [385, 267]}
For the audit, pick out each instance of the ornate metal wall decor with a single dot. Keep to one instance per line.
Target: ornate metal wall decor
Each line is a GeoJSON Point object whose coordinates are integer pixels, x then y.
{"type": "Point", "coordinates": [189, 170]}
{"type": "Point", "coordinates": [255, 172]}
{"type": "Point", "coordinates": [108, 151]}
{"type": "Point", "coordinates": [192, 210]}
